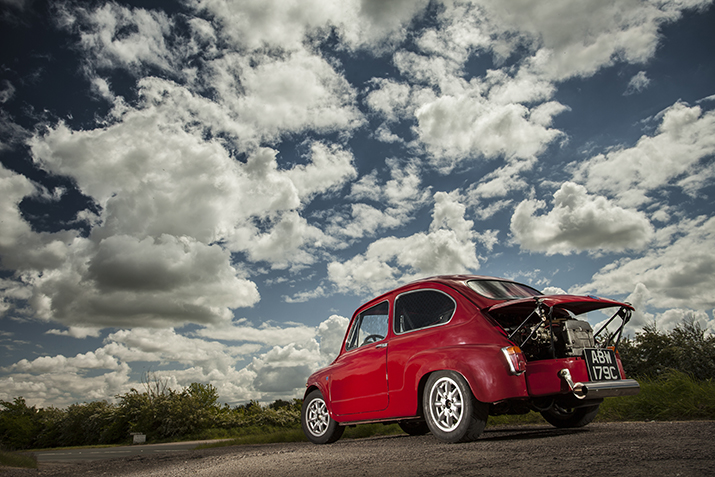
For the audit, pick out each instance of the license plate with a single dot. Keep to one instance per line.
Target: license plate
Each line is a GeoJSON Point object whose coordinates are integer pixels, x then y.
{"type": "Point", "coordinates": [601, 364]}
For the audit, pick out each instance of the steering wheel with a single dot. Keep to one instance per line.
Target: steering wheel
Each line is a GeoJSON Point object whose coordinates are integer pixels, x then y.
{"type": "Point", "coordinates": [372, 339]}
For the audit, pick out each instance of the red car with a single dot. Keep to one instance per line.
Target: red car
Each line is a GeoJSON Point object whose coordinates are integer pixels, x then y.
{"type": "Point", "coordinates": [442, 354]}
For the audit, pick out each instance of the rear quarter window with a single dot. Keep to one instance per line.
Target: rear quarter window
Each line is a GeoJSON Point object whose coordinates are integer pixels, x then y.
{"type": "Point", "coordinates": [422, 309]}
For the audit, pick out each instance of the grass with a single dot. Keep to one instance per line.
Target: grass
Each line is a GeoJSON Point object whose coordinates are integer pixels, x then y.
{"type": "Point", "coordinates": [17, 459]}
{"type": "Point", "coordinates": [674, 396]}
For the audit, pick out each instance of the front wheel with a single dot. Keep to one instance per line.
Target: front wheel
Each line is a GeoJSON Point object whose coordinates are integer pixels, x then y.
{"type": "Point", "coordinates": [317, 424]}
{"type": "Point", "coordinates": [570, 417]}
{"type": "Point", "coordinates": [452, 412]}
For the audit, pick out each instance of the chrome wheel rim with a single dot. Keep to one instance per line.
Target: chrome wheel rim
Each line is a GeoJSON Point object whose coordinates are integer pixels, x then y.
{"type": "Point", "coordinates": [446, 404]}
{"type": "Point", "coordinates": [317, 417]}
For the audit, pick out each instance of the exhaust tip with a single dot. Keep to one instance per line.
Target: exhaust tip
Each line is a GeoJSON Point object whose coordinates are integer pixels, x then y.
{"type": "Point", "coordinates": [578, 389]}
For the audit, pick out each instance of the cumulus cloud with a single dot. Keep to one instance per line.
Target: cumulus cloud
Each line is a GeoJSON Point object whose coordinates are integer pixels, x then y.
{"type": "Point", "coordinates": [448, 247]}
{"type": "Point", "coordinates": [577, 39]}
{"type": "Point", "coordinates": [379, 205]}
{"type": "Point", "coordinates": [676, 274]}
{"type": "Point", "coordinates": [21, 248]}
{"type": "Point", "coordinates": [507, 113]}
{"type": "Point", "coordinates": [673, 156]}
{"type": "Point", "coordinates": [455, 127]}
{"type": "Point", "coordinates": [285, 25]}
{"type": "Point", "coordinates": [171, 213]}
{"type": "Point", "coordinates": [115, 36]}
{"type": "Point", "coordinates": [578, 222]}
{"type": "Point", "coordinates": [278, 369]}
{"type": "Point", "coordinates": [266, 333]}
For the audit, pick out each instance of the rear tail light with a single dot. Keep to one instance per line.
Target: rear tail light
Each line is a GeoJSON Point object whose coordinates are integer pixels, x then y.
{"type": "Point", "coordinates": [515, 359]}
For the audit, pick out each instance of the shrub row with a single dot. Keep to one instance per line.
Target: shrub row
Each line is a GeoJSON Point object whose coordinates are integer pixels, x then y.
{"type": "Point", "coordinates": [159, 413]}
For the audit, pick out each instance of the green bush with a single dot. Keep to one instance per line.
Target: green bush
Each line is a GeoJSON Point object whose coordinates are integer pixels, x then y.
{"type": "Point", "coordinates": [687, 349]}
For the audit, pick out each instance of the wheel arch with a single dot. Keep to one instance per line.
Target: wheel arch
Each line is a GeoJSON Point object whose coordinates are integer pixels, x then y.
{"type": "Point", "coordinates": [483, 368]}
{"type": "Point", "coordinates": [326, 397]}
{"type": "Point", "coordinates": [310, 389]}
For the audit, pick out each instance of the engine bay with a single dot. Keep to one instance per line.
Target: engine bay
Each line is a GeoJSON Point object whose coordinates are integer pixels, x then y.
{"type": "Point", "coordinates": [548, 332]}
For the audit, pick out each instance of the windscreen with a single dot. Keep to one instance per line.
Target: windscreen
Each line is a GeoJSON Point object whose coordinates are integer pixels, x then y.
{"type": "Point", "coordinates": [502, 290]}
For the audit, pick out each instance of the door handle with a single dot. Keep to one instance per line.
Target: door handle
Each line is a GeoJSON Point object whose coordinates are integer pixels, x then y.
{"type": "Point", "coordinates": [381, 345]}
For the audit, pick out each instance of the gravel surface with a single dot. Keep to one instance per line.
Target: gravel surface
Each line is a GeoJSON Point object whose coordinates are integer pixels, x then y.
{"type": "Point", "coordinates": [631, 448]}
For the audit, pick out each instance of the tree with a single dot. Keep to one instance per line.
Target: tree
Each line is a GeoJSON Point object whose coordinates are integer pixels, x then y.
{"type": "Point", "coordinates": [687, 348]}
{"type": "Point", "coordinates": [19, 424]}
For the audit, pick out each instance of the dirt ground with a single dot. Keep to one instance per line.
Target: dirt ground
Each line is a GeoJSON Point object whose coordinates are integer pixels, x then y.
{"type": "Point", "coordinates": [632, 448]}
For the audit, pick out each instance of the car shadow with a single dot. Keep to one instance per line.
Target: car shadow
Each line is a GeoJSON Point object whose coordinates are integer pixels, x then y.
{"type": "Point", "coordinates": [512, 434]}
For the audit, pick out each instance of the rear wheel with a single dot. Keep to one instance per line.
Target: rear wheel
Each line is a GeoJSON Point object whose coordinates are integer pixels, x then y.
{"type": "Point", "coordinates": [570, 417]}
{"type": "Point", "coordinates": [452, 412]}
{"type": "Point", "coordinates": [317, 424]}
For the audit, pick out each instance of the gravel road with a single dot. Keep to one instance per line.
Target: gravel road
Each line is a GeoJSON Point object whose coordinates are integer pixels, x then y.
{"type": "Point", "coordinates": [632, 448]}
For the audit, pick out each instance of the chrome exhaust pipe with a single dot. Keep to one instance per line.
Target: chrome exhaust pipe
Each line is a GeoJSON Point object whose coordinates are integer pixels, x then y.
{"type": "Point", "coordinates": [604, 389]}
{"type": "Point", "coordinates": [600, 389]}
{"type": "Point", "coordinates": [576, 388]}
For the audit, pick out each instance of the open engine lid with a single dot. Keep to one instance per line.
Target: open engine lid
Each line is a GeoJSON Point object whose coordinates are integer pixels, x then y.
{"type": "Point", "coordinates": [576, 304]}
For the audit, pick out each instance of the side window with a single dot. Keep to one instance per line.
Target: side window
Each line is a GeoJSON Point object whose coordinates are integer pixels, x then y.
{"type": "Point", "coordinates": [369, 326]}
{"type": "Point", "coordinates": [421, 309]}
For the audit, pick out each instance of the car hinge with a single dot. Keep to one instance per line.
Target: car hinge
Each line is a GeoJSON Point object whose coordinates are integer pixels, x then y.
{"type": "Point", "coordinates": [625, 315]}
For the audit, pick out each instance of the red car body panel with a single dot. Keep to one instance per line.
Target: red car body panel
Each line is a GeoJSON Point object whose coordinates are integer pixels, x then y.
{"type": "Point", "coordinates": [382, 380]}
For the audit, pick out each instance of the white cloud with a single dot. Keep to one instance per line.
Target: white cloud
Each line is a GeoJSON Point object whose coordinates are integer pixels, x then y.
{"type": "Point", "coordinates": [171, 213]}
{"type": "Point", "coordinates": [270, 96]}
{"type": "Point", "coordinates": [678, 274]}
{"type": "Point", "coordinates": [673, 156]}
{"type": "Point", "coordinates": [80, 332]}
{"type": "Point", "coordinates": [283, 357]}
{"type": "Point", "coordinates": [574, 38]}
{"type": "Point", "coordinates": [455, 127]}
{"type": "Point", "coordinates": [448, 247]}
{"type": "Point", "coordinates": [285, 24]}
{"type": "Point", "coordinates": [502, 181]}
{"type": "Point", "coordinates": [265, 333]}
{"type": "Point", "coordinates": [389, 98]}
{"type": "Point", "coordinates": [330, 335]}
{"type": "Point", "coordinates": [116, 36]}
{"type": "Point", "coordinates": [638, 83]}
{"type": "Point", "coordinates": [387, 205]}
{"type": "Point", "coordinates": [129, 282]}
{"type": "Point", "coordinates": [578, 222]}
{"type": "Point", "coordinates": [20, 247]}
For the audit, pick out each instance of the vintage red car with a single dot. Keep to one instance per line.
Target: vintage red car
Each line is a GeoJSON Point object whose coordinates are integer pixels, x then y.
{"type": "Point", "coordinates": [442, 354]}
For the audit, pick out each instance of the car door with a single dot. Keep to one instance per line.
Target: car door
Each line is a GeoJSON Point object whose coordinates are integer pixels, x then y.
{"type": "Point", "coordinates": [359, 381]}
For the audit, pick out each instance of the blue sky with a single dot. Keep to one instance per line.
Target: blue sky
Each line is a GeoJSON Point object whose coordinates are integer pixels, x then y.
{"type": "Point", "coordinates": [206, 190]}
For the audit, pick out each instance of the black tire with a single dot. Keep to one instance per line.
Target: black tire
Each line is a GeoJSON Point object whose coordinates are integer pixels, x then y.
{"type": "Point", "coordinates": [317, 424]}
{"type": "Point", "coordinates": [452, 412]}
{"type": "Point", "coordinates": [565, 418]}
{"type": "Point", "coordinates": [414, 428]}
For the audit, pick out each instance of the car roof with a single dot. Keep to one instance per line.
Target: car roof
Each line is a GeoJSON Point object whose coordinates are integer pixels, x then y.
{"type": "Point", "coordinates": [577, 304]}
{"type": "Point", "coordinates": [456, 282]}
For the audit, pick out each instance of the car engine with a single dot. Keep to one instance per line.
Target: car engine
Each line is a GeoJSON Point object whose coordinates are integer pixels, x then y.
{"type": "Point", "coordinates": [556, 339]}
